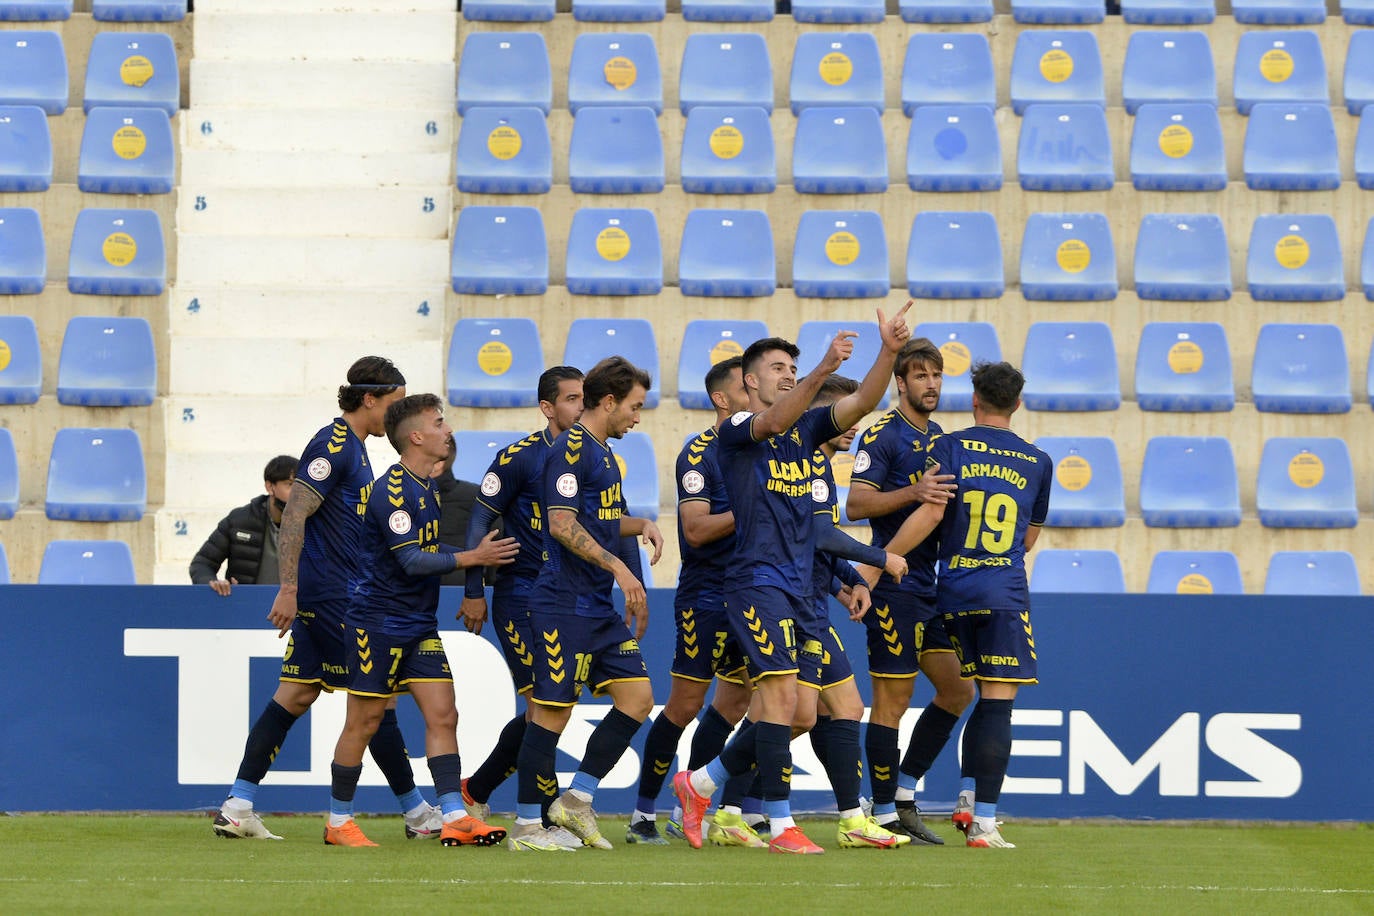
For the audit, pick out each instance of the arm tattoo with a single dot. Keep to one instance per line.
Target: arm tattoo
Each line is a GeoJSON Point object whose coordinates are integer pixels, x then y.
{"type": "Point", "coordinates": [565, 528]}
{"type": "Point", "coordinates": [301, 504]}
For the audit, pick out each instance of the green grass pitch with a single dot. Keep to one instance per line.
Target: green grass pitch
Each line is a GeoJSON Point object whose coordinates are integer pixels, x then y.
{"type": "Point", "coordinates": [173, 863]}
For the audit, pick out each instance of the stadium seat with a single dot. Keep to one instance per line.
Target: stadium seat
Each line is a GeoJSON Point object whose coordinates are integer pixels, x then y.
{"type": "Point", "coordinates": [591, 340]}
{"type": "Point", "coordinates": [839, 12]}
{"type": "Point", "coordinates": [1068, 257]}
{"type": "Point", "coordinates": [1306, 483]}
{"type": "Point", "coordinates": [1358, 81]}
{"type": "Point", "coordinates": [706, 342]}
{"type": "Point", "coordinates": [132, 70]}
{"type": "Point", "coordinates": [504, 151]}
{"type": "Point", "coordinates": [1358, 12]}
{"type": "Point", "coordinates": [954, 256]}
{"type": "Point", "coordinates": [127, 151]}
{"type": "Point", "coordinates": [1087, 491]}
{"type": "Point", "coordinates": [614, 69]}
{"type": "Point", "coordinates": [727, 253]}
{"type": "Point", "coordinates": [836, 70]}
{"type": "Point", "coordinates": [1189, 482]}
{"type": "Point", "coordinates": [948, 68]}
{"type": "Point", "coordinates": [107, 362]}
{"type": "Point", "coordinates": [725, 69]}
{"type": "Point", "coordinates": [1070, 365]}
{"type": "Point", "coordinates": [1364, 154]}
{"type": "Point", "coordinates": [639, 474]}
{"type": "Point", "coordinates": [1291, 147]}
{"type": "Point", "coordinates": [1168, 67]}
{"type": "Point", "coordinates": [500, 251]}
{"type": "Point", "coordinates": [4, 567]}
{"type": "Point", "coordinates": [477, 449]}
{"type": "Point", "coordinates": [21, 360]}
{"type": "Point", "coordinates": [1054, 66]}
{"type": "Point", "coordinates": [96, 475]}
{"type": "Point", "coordinates": [1064, 147]}
{"type": "Point", "coordinates": [616, 151]}
{"type": "Point", "coordinates": [35, 10]}
{"type": "Point", "coordinates": [1279, 12]}
{"type": "Point", "coordinates": [117, 253]}
{"type": "Point", "coordinates": [494, 362]}
{"type": "Point", "coordinates": [614, 252]}
{"type": "Point", "coordinates": [839, 151]}
{"type": "Point", "coordinates": [1279, 67]}
{"type": "Point", "coordinates": [618, 10]}
{"type": "Point", "coordinates": [9, 479]}
{"type": "Point", "coordinates": [33, 70]}
{"type": "Point", "coordinates": [25, 149]}
{"type": "Point", "coordinates": [727, 10]}
{"type": "Point", "coordinates": [138, 10]}
{"type": "Point", "coordinates": [1183, 366]}
{"type": "Point", "coordinates": [1195, 572]}
{"type": "Point", "coordinates": [963, 345]}
{"type": "Point", "coordinates": [953, 148]}
{"type": "Point", "coordinates": [728, 151]}
{"type": "Point", "coordinates": [1310, 573]}
{"type": "Point", "coordinates": [23, 254]}
{"type": "Point", "coordinates": [1058, 12]}
{"type": "Point", "coordinates": [813, 338]}
{"type": "Point", "coordinates": [87, 563]}
{"type": "Point", "coordinates": [1168, 12]}
{"type": "Point", "coordinates": [1182, 256]}
{"type": "Point", "coordinates": [1369, 377]}
{"type": "Point", "coordinates": [1294, 258]}
{"type": "Point", "coordinates": [1078, 572]}
{"type": "Point", "coordinates": [1177, 146]}
{"type": "Point", "coordinates": [945, 10]}
{"type": "Point", "coordinates": [840, 254]}
{"type": "Point", "coordinates": [1367, 261]}
{"type": "Point", "coordinates": [504, 70]}
{"type": "Point", "coordinates": [1301, 368]}
{"type": "Point", "coordinates": [508, 11]}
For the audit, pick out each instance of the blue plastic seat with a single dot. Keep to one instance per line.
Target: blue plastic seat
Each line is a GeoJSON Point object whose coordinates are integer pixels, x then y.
{"type": "Point", "coordinates": [725, 69]}
{"type": "Point", "coordinates": [836, 70]}
{"type": "Point", "coordinates": [1068, 257]}
{"type": "Point", "coordinates": [728, 151]}
{"type": "Point", "coordinates": [1054, 66]}
{"type": "Point", "coordinates": [1189, 482]}
{"type": "Point", "coordinates": [138, 10]}
{"type": "Point", "coordinates": [23, 254]}
{"type": "Point", "coordinates": [133, 70]}
{"type": "Point", "coordinates": [1291, 147]}
{"type": "Point", "coordinates": [1168, 12]}
{"type": "Point", "coordinates": [21, 360]}
{"type": "Point", "coordinates": [504, 70]}
{"type": "Point", "coordinates": [1177, 146]}
{"type": "Point", "coordinates": [1195, 572]}
{"type": "Point", "coordinates": [1306, 482]}
{"type": "Point", "coordinates": [1358, 12]}
{"type": "Point", "coordinates": [1358, 80]}
{"type": "Point", "coordinates": [615, 69]}
{"type": "Point", "coordinates": [1183, 366]}
{"type": "Point", "coordinates": [945, 10]}
{"type": "Point", "coordinates": [727, 253]}
{"type": "Point", "coordinates": [96, 475]}
{"type": "Point", "coordinates": [33, 70]}
{"type": "Point", "coordinates": [500, 251]}
{"type": "Point", "coordinates": [1058, 12]}
{"type": "Point", "coordinates": [954, 256]}
{"type": "Point", "coordinates": [953, 148]}
{"type": "Point", "coordinates": [963, 345]}
{"type": "Point", "coordinates": [1364, 154]}
{"type": "Point", "coordinates": [504, 151]}
{"type": "Point", "coordinates": [639, 474]}
{"type": "Point", "coordinates": [839, 12]}
{"type": "Point", "coordinates": [1301, 368]}
{"type": "Point", "coordinates": [1312, 572]}
{"type": "Point", "coordinates": [25, 149]}
{"type": "Point", "coordinates": [1279, 12]}
{"type": "Point", "coordinates": [839, 151]}
{"type": "Point", "coordinates": [948, 68]}
{"type": "Point", "coordinates": [1182, 256]}
{"type": "Point", "coordinates": [1070, 365]}
{"type": "Point", "coordinates": [591, 340]}
{"type": "Point", "coordinates": [727, 10]}
{"type": "Point", "coordinates": [35, 10]}
{"type": "Point", "coordinates": [840, 254]}
{"type": "Point", "coordinates": [477, 449]}
{"type": "Point", "coordinates": [508, 11]}
{"type": "Point", "coordinates": [494, 362]}
{"type": "Point", "coordinates": [1279, 67]}
{"type": "Point", "coordinates": [127, 151]}
{"type": "Point", "coordinates": [1168, 67]}
{"type": "Point", "coordinates": [9, 483]}
{"type": "Point", "coordinates": [1295, 258]}
{"type": "Point", "coordinates": [614, 252]}
{"type": "Point", "coordinates": [1078, 572]}
{"type": "Point", "coordinates": [87, 563]}
{"type": "Point", "coordinates": [616, 151]}
{"type": "Point", "coordinates": [1064, 147]}
{"type": "Point", "coordinates": [117, 253]}
{"type": "Point", "coordinates": [706, 342]}
{"type": "Point", "coordinates": [1087, 491]}
{"type": "Point", "coordinates": [618, 10]}
{"type": "Point", "coordinates": [813, 338]}
{"type": "Point", "coordinates": [107, 362]}
{"type": "Point", "coordinates": [1367, 262]}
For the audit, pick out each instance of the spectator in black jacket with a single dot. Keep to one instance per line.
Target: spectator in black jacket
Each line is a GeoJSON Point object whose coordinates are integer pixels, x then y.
{"type": "Point", "coordinates": [455, 505]}
{"type": "Point", "coordinates": [247, 536]}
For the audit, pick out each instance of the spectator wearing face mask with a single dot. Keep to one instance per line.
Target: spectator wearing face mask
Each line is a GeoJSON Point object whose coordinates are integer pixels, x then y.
{"type": "Point", "coordinates": [247, 537]}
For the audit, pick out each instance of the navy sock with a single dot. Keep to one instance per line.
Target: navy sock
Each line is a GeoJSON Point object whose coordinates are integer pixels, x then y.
{"type": "Point", "coordinates": [264, 741]}
{"type": "Point", "coordinates": [775, 760]}
{"type": "Point", "coordinates": [447, 770]}
{"type": "Point", "coordinates": [880, 744]}
{"type": "Point", "coordinates": [536, 771]}
{"type": "Point", "coordinates": [972, 728]}
{"type": "Point", "coordinates": [388, 748]}
{"type": "Point", "coordinates": [343, 782]}
{"type": "Point", "coordinates": [820, 740]}
{"type": "Point", "coordinates": [713, 730]}
{"type": "Point", "coordinates": [660, 747]}
{"type": "Point", "coordinates": [608, 743]}
{"type": "Point", "coordinates": [993, 750]}
{"type": "Point", "coordinates": [843, 764]}
{"type": "Point", "coordinates": [500, 763]}
{"type": "Point", "coordinates": [736, 788]}
{"type": "Point", "coordinates": [740, 755]}
{"type": "Point", "coordinates": [927, 740]}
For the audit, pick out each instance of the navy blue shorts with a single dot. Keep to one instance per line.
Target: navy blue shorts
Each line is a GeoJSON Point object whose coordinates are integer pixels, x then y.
{"type": "Point", "coordinates": [994, 645]}
{"type": "Point", "coordinates": [572, 652]}
{"type": "Point", "coordinates": [764, 621]}
{"type": "Point", "coordinates": [821, 659]}
{"type": "Point", "coordinates": [383, 665]}
{"type": "Point", "coordinates": [510, 614]}
{"type": "Point", "coordinates": [705, 646]}
{"type": "Point", "coordinates": [317, 652]}
{"type": "Point", "coordinates": [901, 628]}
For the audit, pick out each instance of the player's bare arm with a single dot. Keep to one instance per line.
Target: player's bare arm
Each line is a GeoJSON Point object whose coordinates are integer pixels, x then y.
{"type": "Point", "coordinates": [646, 530]}
{"type": "Point", "coordinates": [852, 408]}
{"type": "Point", "coordinates": [783, 413]}
{"type": "Point", "coordinates": [1032, 535]}
{"type": "Point", "coordinates": [473, 613]}
{"type": "Point", "coordinates": [914, 530]}
{"type": "Point", "coordinates": [867, 501]}
{"type": "Point", "coordinates": [300, 505]}
{"type": "Point", "coordinates": [565, 528]}
{"type": "Point", "coordinates": [700, 526]}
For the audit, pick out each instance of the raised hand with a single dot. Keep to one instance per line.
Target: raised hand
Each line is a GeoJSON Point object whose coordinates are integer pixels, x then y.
{"type": "Point", "coordinates": [841, 348]}
{"type": "Point", "coordinates": [894, 331]}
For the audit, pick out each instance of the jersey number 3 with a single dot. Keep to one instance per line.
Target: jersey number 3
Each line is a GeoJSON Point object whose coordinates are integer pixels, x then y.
{"type": "Point", "coordinates": [991, 521]}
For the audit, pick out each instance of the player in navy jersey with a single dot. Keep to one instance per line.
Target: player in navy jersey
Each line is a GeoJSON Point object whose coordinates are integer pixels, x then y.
{"type": "Point", "coordinates": [317, 551]}
{"type": "Point", "coordinates": [392, 627]}
{"type": "Point", "coordinates": [984, 533]}
{"type": "Point", "coordinates": [905, 634]}
{"type": "Point", "coordinates": [766, 453]}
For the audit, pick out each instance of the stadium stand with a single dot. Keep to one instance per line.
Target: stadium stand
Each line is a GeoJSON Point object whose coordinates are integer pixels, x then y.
{"type": "Point", "coordinates": [1070, 365]}
{"type": "Point", "coordinates": [727, 253]}
{"type": "Point", "coordinates": [1068, 257]}
{"type": "Point", "coordinates": [725, 69]}
{"type": "Point", "coordinates": [839, 12]}
{"type": "Point", "coordinates": [1182, 256]}
{"type": "Point", "coordinates": [1312, 572]}
{"type": "Point", "coordinates": [945, 10]}
{"type": "Point", "coordinates": [1279, 12]}
{"type": "Point", "coordinates": [1364, 154]}
{"type": "Point", "coordinates": [508, 11]}
{"type": "Point", "coordinates": [494, 362]}
{"type": "Point", "coordinates": [614, 69]}
{"type": "Point", "coordinates": [1294, 258]}
{"type": "Point", "coordinates": [1056, 66]}
{"type": "Point", "coordinates": [87, 563]}
{"type": "Point", "coordinates": [1358, 12]}
{"type": "Point", "coordinates": [1301, 368]}
{"type": "Point", "coordinates": [1278, 67]}
{"type": "Point", "coordinates": [33, 70]}
{"type": "Point", "coordinates": [814, 337]}
{"type": "Point", "coordinates": [107, 362]}
{"type": "Point", "coordinates": [836, 70]}
{"type": "Point", "coordinates": [4, 566]}
{"type": "Point", "coordinates": [117, 253]}
{"type": "Point", "coordinates": [1168, 12]}
{"type": "Point", "coordinates": [840, 254]}
{"type": "Point", "coordinates": [499, 251]}
{"type": "Point", "coordinates": [728, 151]}
{"type": "Point", "coordinates": [1369, 377]}
{"type": "Point", "coordinates": [1195, 572]}
{"type": "Point", "coordinates": [1358, 81]}
{"type": "Point", "coordinates": [839, 151]}
{"type": "Point", "coordinates": [1064, 147]}
{"type": "Point", "coordinates": [132, 69]}
{"type": "Point", "coordinates": [1189, 482]}
{"type": "Point", "coordinates": [127, 151]}
{"type": "Point", "coordinates": [504, 151]}
{"type": "Point", "coordinates": [618, 10]}
{"type": "Point", "coordinates": [954, 256]}
{"type": "Point", "coordinates": [1058, 12]}
{"type": "Point", "coordinates": [1168, 67]}
{"type": "Point", "coordinates": [727, 10]}
{"type": "Point", "coordinates": [1177, 146]}
{"type": "Point", "coordinates": [21, 360]}
{"type": "Point", "coordinates": [25, 149]}
{"type": "Point", "coordinates": [138, 10]}
{"type": "Point", "coordinates": [614, 252]}
{"type": "Point", "coordinates": [639, 470]}
{"type": "Point", "coordinates": [35, 10]}
{"type": "Point", "coordinates": [1367, 262]}
{"type": "Point", "coordinates": [706, 342]}
{"type": "Point", "coordinates": [1078, 572]}
{"type": "Point", "coordinates": [1306, 482]}
{"type": "Point", "coordinates": [478, 447]}
{"type": "Point", "coordinates": [953, 148]}
{"type": "Point", "coordinates": [616, 151]}
{"type": "Point", "coordinates": [1291, 148]}
{"type": "Point", "coordinates": [963, 345]}
{"type": "Point", "coordinates": [23, 253]}
{"type": "Point", "coordinates": [505, 70]}
{"type": "Point", "coordinates": [1087, 491]}
{"type": "Point", "coordinates": [591, 340]}
{"type": "Point", "coordinates": [96, 475]}
{"type": "Point", "coordinates": [1183, 366]}
{"type": "Point", "coordinates": [9, 477]}
{"type": "Point", "coordinates": [948, 68]}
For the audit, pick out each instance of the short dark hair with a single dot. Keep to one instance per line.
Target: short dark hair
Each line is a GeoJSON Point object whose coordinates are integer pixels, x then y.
{"type": "Point", "coordinates": [412, 405]}
{"type": "Point", "coordinates": [749, 362]}
{"type": "Point", "coordinates": [553, 377]}
{"type": "Point", "coordinates": [282, 467]}
{"type": "Point", "coordinates": [834, 388]}
{"type": "Point", "coordinates": [719, 374]}
{"type": "Point", "coordinates": [918, 350]}
{"type": "Point", "coordinates": [374, 375]}
{"type": "Point", "coordinates": [997, 385]}
{"type": "Point", "coordinates": [616, 376]}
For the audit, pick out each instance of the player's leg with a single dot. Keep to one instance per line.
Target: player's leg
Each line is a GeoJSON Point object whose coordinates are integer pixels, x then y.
{"type": "Point", "coordinates": [953, 694]}
{"type": "Point", "coordinates": [891, 628]}
{"type": "Point", "coordinates": [432, 687]}
{"type": "Point", "coordinates": [512, 626]}
{"type": "Point", "coordinates": [365, 710]}
{"type": "Point", "coordinates": [550, 706]}
{"type": "Point", "coordinates": [685, 699]}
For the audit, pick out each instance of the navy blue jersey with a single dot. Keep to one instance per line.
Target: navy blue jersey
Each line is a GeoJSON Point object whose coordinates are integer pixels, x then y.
{"type": "Point", "coordinates": [892, 455]}
{"type": "Point", "coordinates": [403, 518]}
{"type": "Point", "coordinates": [824, 501]}
{"type": "Point", "coordinates": [513, 487]}
{"type": "Point", "coordinates": [769, 486]}
{"type": "Point", "coordinates": [334, 465]}
{"type": "Point", "coordinates": [1004, 487]}
{"type": "Point", "coordinates": [699, 478]}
